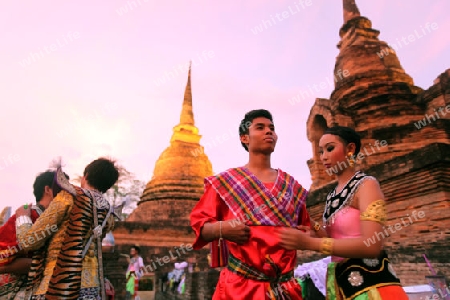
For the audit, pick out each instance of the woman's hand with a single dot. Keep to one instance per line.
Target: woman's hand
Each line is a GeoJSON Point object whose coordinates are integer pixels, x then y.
{"type": "Point", "coordinates": [308, 230]}
{"type": "Point", "coordinates": [295, 239]}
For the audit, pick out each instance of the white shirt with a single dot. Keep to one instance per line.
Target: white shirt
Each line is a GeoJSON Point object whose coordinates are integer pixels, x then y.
{"type": "Point", "coordinates": [138, 264]}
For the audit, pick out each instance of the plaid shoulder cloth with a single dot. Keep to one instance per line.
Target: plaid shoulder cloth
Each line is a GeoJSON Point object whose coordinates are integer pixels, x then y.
{"type": "Point", "coordinates": [250, 201]}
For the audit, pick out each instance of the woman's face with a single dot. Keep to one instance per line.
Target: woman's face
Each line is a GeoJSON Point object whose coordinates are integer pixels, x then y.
{"type": "Point", "coordinates": [332, 151]}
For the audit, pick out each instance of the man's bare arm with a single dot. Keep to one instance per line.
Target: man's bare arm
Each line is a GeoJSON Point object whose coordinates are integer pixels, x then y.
{"type": "Point", "coordinates": [17, 266]}
{"type": "Point", "coordinates": [232, 230]}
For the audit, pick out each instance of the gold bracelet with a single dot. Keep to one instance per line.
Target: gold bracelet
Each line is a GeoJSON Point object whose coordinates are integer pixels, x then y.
{"type": "Point", "coordinates": [326, 246]}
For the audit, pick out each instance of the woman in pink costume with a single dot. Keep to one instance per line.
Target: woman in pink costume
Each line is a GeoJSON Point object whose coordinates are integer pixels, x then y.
{"type": "Point", "coordinates": [354, 214]}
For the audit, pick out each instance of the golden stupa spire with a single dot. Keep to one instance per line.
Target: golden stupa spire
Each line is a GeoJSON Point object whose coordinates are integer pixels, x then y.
{"type": "Point", "coordinates": [350, 10]}
{"type": "Point", "coordinates": [186, 131]}
{"type": "Point", "coordinates": [187, 115]}
{"type": "Point", "coordinates": [178, 176]}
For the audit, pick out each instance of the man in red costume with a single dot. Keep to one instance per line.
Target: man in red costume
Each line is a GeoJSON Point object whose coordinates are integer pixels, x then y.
{"type": "Point", "coordinates": [241, 212]}
{"type": "Point", "coordinates": [14, 263]}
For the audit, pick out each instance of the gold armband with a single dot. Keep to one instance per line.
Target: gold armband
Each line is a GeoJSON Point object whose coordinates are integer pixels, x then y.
{"type": "Point", "coordinates": [376, 211]}
{"type": "Point", "coordinates": [326, 246]}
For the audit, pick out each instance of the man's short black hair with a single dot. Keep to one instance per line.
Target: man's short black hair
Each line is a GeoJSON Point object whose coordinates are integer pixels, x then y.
{"type": "Point", "coordinates": [248, 119]}
{"type": "Point", "coordinates": [101, 174]}
{"type": "Point", "coordinates": [42, 180]}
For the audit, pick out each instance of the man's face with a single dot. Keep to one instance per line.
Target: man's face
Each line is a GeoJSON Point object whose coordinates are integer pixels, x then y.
{"type": "Point", "coordinates": [133, 252]}
{"type": "Point", "coordinates": [261, 136]}
{"type": "Point", "coordinates": [47, 197]}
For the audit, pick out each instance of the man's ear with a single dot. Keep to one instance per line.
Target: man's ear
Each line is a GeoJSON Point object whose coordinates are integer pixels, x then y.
{"type": "Point", "coordinates": [48, 190]}
{"type": "Point", "coordinates": [244, 138]}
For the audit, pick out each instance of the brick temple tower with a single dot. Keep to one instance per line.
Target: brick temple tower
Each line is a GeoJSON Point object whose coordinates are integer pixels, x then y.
{"type": "Point", "coordinates": [160, 224]}
{"type": "Point", "coordinates": [379, 100]}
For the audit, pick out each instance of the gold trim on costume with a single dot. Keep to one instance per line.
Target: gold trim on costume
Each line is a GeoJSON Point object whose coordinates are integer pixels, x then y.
{"type": "Point", "coordinates": [376, 211]}
{"type": "Point", "coordinates": [374, 294]}
{"type": "Point", "coordinates": [367, 289]}
{"type": "Point", "coordinates": [47, 225]}
{"type": "Point", "coordinates": [383, 265]}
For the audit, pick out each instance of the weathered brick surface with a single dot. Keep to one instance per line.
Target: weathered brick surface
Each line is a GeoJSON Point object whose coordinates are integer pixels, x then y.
{"type": "Point", "coordinates": [171, 212]}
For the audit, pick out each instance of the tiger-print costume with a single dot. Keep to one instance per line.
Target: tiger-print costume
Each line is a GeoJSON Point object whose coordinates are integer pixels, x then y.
{"type": "Point", "coordinates": [66, 279]}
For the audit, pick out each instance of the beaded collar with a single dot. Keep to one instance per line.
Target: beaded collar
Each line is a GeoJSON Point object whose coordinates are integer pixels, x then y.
{"type": "Point", "coordinates": [337, 201]}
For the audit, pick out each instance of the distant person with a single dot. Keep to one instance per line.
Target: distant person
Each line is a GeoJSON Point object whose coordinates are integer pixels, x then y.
{"type": "Point", "coordinates": [130, 283]}
{"type": "Point", "coordinates": [136, 263]}
{"type": "Point", "coordinates": [109, 288]}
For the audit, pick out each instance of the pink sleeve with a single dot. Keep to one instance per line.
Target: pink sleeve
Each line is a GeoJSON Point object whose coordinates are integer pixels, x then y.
{"type": "Point", "coordinates": [205, 211]}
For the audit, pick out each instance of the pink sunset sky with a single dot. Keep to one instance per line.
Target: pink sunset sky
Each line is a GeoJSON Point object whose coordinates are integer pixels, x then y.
{"type": "Point", "coordinates": [83, 79]}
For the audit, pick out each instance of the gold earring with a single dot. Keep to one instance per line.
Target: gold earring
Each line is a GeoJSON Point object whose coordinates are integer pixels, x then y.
{"type": "Point", "coordinates": [351, 160]}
